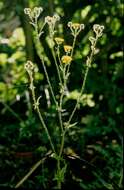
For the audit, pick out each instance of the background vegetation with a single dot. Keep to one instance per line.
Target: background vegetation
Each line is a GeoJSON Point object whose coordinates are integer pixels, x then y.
{"type": "Point", "coordinates": [98, 137]}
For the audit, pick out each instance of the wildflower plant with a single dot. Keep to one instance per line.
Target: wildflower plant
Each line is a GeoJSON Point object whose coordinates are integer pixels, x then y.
{"type": "Point", "coordinates": [62, 63]}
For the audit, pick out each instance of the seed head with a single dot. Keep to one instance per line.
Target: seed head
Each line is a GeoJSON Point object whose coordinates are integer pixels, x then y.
{"type": "Point", "coordinates": [52, 20]}
{"type": "Point", "coordinates": [34, 13]}
{"type": "Point", "coordinates": [29, 66]}
{"type": "Point", "coordinates": [27, 11]}
{"type": "Point", "coordinates": [98, 29]}
{"type": "Point", "coordinates": [37, 11]}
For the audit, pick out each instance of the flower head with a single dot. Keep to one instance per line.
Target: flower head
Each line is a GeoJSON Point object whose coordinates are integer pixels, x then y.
{"type": "Point", "coordinates": [67, 48]}
{"type": "Point", "coordinates": [75, 25]}
{"type": "Point", "coordinates": [75, 28]}
{"type": "Point", "coordinates": [34, 13]}
{"type": "Point", "coordinates": [66, 59]}
{"type": "Point", "coordinates": [51, 21]}
{"type": "Point", "coordinates": [59, 40]}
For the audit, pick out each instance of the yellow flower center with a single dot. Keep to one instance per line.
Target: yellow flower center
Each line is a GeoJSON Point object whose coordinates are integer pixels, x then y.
{"type": "Point", "coordinates": [75, 25]}
{"type": "Point", "coordinates": [67, 48]}
{"type": "Point", "coordinates": [59, 40]}
{"type": "Point", "coordinates": [66, 59]}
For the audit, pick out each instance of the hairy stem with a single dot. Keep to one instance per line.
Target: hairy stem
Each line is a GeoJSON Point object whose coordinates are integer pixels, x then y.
{"type": "Point", "coordinates": [39, 50]}
{"type": "Point", "coordinates": [60, 106]}
{"type": "Point", "coordinates": [61, 123]}
{"type": "Point", "coordinates": [89, 61]}
{"type": "Point", "coordinates": [57, 67]}
{"type": "Point", "coordinates": [58, 54]}
{"type": "Point", "coordinates": [73, 46]}
{"type": "Point", "coordinates": [36, 105]}
{"type": "Point", "coordinates": [78, 100]}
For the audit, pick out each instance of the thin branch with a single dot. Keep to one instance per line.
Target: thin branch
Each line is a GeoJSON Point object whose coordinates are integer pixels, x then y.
{"type": "Point", "coordinates": [33, 168]}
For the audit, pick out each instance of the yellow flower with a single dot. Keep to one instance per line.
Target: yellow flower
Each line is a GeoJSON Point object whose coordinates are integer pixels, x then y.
{"type": "Point", "coordinates": [67, 48]}
{"type": "Point", "coordinates": [66, 59]}
{"type": "Point", "coordinates": [75, 26]}
{"type": "Point", "coordinates": [59, 40]}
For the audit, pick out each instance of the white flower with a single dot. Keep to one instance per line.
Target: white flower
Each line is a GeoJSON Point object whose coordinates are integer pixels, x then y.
{"type": "Point", "coordinates": [75, 28]}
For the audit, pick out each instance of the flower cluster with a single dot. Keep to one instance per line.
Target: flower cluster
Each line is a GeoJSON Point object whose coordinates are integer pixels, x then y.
{"type": "Point", "coordinates": [51, 21]}
{"type": "Point", "coordinates": [75, 28]}
{"type": "Point", "coordinates": [98, 29]}
{"type": "Point", "coordinates": [34, 13]}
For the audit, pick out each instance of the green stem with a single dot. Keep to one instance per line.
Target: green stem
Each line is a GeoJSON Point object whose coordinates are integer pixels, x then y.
{"type": "Point", "coordinates": [39, 50]}
{"type": "Point", "coordinates": [59, 158]}
{"type": "Point", "coordinates": [84, 81]}
{"type": "Point", "coordinates": [57, 68]}
{"type": "Point", "coordinates": [47, 132]}
{"type": "Point", "coordinates": [33, 168]}
{"type": "Point", "coordinates": [60, 115]}
{"type": "Point", "coordinates": [40, 32]}
{"type": "Point", "coordinates": [73, 46]}
{"type": "Point", "coordinates": [121, 178]}
{"type": "Point", "coordinates": [59, 168]}
{"type": "Point", "coordinates": [82, 89]}
{"type": "Point", "coordinates": [60, 103]}
{"type": "Point", "coordinates": [12, 112]}
{"type": "Point", "coordinates": [49, 83]}
{"type": "Point", "coordinates": [39, 113]}
{"type": "Point", "coordinates": [62, 143]}
{"type": "Point", "coordinates": [29, 173]}
{"type": "Point", "coordinates": [61, 98]}
{"type": "Point", "coordinates": [38, 46]}
{"type": "Point", "coordinates": [61, 123]}
{"type": "Point", "coordinates": [58, 54]}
